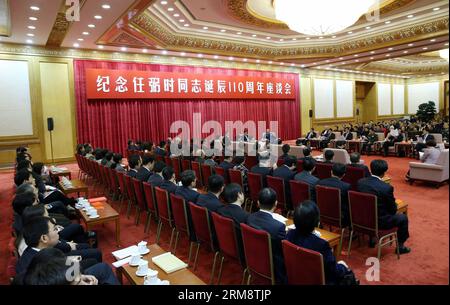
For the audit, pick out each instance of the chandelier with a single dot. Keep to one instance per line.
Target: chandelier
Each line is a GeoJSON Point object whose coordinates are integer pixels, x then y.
{"type": "Point", "coordinates": [321, 17]}
{"type": "Point", "coordinates": [444, 54]}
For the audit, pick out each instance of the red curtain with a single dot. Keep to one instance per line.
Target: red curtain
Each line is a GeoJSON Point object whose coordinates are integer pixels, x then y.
{"type": "Point", "coordinates": [110, 123]}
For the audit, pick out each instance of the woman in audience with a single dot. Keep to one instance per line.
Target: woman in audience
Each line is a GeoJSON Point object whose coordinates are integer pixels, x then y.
{"type": "Point", "coordinates": [306, 219]}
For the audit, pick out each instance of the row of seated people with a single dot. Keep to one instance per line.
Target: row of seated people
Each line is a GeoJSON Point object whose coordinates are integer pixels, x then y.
{"type": "Point", "coordinates": [371, 140]}
{"type": "Point", "coordinates": [42, 222]}
{"type": "Point", "coordinates": [163, 176]}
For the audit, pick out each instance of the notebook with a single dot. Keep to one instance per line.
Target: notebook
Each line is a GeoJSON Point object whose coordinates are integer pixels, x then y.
{"type": "Point", "coordinates": [122, 253]}
{"type": "Point", "coordinates": [169, 262]}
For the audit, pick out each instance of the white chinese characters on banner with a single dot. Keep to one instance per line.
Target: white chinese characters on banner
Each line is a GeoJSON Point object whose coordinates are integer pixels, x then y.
{"type": "Point", "coordinates": [196, 86]}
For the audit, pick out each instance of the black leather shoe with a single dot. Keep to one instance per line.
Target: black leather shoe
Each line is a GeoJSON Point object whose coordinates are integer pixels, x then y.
{"type": "Point", "coordinates": [403, 250]}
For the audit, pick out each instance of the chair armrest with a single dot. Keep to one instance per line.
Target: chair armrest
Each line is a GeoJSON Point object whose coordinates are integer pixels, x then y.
{"type": "Point", "coordinates": [425, 166]}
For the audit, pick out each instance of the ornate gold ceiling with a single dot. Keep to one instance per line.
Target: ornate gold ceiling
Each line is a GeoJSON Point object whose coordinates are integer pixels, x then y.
{"type": "Point", "coordinates": [236, 32]}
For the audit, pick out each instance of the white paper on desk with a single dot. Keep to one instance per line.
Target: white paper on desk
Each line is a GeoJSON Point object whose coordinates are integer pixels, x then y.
{"type": "Point", "coordinates": [122, 262]}
{"type": "Point", "coordinates": [279, 217]}
{"type": "Point", "coordinates": [122, 253]}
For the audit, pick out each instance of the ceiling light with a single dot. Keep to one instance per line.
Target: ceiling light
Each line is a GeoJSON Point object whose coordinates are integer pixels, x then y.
{"type": "Point", "coordinates": [33, 18]}
{"type": "Point", "coordinates": [350, 32]}
{"type": "Point", "coordinates": [34, 8]}
{"type": "Point", "coordinates": [183, 54]}
{"type": "Point", "coordinates": [268, 37]}
{"type": "Point", "coordinates": [164, 52]}
{"type": "Point", "coordinates": [341, 58]}
{"type": "Point", "coordinates": [425, 48]}
{"type": "Point", "coordinates": [310, 17]}
{"type": "Point", "coordinates": [436, 9]}
{"type": "Point", "coordinates": [106, 6]}
{"type": "Point", "coordinates": [98, 17]}
{"type": "Point", "coordinates": [199, 55]}
{"type": "Point", "coordinates": [270, 62]}
{"type": "Point", "coordinates": [223, 31]}
{"type": "Point", "coordinates": [186, 24]}
{"type": "Point", "coordinates": [334, 36]}
{"type": "Point", "coordinates": [205, 28]}
{"type": "Point", "coordinates": [80, 39]}
{"type": "Point", "coordinates": [321, 37]}
{"type": "Point", "coordinates": [446, 44]}
{"type": "Point", "coordinates": [239, 33]}
{"type": "Point", "coordinates": [372, 52]}
{"type": "Point", "coordinates": [231, 58]}
{"type": "Point", "coordinates": [254, 35]}
{"type": "Point", "coordinates": [303, 66]}
{"type": "Point", "coordinates": [390, 49]}
{"type": "Point", "coordinates": [245, 59]}
{"type": "Point", "coordinates": [258, 61]}
{"type": "Point", "coordinates": [29, 41]}
{"type": "Point", "coordinates": [356, 55]}
{"type": "Point", "coordinates": [372, 58]}
{"type": "Point", "coordinates": [31, 27]}
{"type": "Point", "coordinates": [444, 54]}
{"type": "Point", "coordinates": [91, 26]}
{"type": "Point", "coordinates": [170, 9]}
{"type": "Point", "coordinates": [163, 2]}
{"type": "Point", "coordinates": [327, 61]}
{"type": "Point", "coordinates": [76, 45]}
{"type": "Point", "coordinates": [281, 39]}
{"type": "Point", "coordinates": [410, 16]}
{"type": "Point", "coordinates": [387, 55]}
{"type": "Point", "coordinates": [282, 63]}
{"type": "Point", "coordinates": [404, 52]}
{"type": "Point", "coordinates": [410, 45]}
{"type": "Point", "coordinates": [368, 27]}
{"type": "Point", "coordinates": [216, 56]}
{"type": "Point", "coordinates": [101, 47]}
{"type": "Point", "coordinates": [123, 49]}
{"type": "Point", "coordinates": [176, 15]}
{"type": "Point", "coordinates": [357, 60]}
{"type": "Point", "coordinates": [387, 22]}
{"type": "Point", "coordinates": [294, 39]}
{"type": "Point", "coordinates": [308, 38]}
{"type": "Point", "coordinates": [85, 33]}
{"type": "Point", "coordinates": [30, 35]}
{"type": "Point", "coordinates": [432, 40]}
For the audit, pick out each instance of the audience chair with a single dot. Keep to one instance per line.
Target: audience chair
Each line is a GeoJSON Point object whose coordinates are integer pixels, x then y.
{"type": "Point", "coordinates": [257, 242]}
{"type": "Point", "coordinates": [303, 266]}
{"type": "Point", "coordinates": [364, 220]}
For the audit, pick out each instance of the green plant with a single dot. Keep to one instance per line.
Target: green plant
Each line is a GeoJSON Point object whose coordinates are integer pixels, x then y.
{"type": "Point", "coordinates": [426, 111]}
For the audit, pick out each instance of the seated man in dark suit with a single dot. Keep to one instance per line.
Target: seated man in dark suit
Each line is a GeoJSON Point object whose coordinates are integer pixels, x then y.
{"type": "Point", "coordinates": [134, 162]}
{"type": "Point", "coordinates": [307, 177]}
{"type": "Point", "coordinates": [347, 137]}
{"type": "Point", "coordinates": [187, 191]}
{"type": "Point", "coordinates": [264, 167]}
{"type": "Point", "coordinates": [328, 155]}
{"type": "Point", "coordinates": [41, 233]}
{"type": "Point", "coordinates": [169, 183]}
{"type": "Point", "coordinates": [117, 163]}
{"type": "Point", "coordinates": [326, 136]}
{"type": "Point", "coordinates": [287, 172]}
{"type": "Point", "coordinates": [211, 200]}
{"type": "Point", "coordinates": [263, 220]}
{"type": "Point", "coordinates": [227, 163]}
{"type": "Point", "coordinates": [387, 207]}
{"type": "Point", "coordinates": [426, 136]}
{"type": "Point", "coordinates": [234, 198]}
{"type": "Point", "coordinates": [145, 171]}
{"type": "Point", "coordinates": [286, 148]}
{"type": "Point", "coordinates": [161, 149]}
{"type": "Point", "coordinates": [307, 155]}
{"type": "Point", "coordinates": [156, 179]}
{"type": "Point", "coordinates": [306, 219]}
{"type": "Point", "coordinates": [334, 181]}
{"type": "Point", "coordinates": [355, 162]}
{"type": "Point", "coordinates": [131, 145]}
{"type": "Point", "coordinates": [310, 135]}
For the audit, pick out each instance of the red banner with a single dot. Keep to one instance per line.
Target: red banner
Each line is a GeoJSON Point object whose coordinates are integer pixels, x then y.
{"type": "Point", "coordinates": [127, 84]}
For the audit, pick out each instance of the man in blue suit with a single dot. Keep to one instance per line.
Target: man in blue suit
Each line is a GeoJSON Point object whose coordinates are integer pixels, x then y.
{"type": "Point", "coordinates": [211, 200]}
{"type": "Point", "coordinates": [134, 162]}
{"type": "Point", "coordinates": [169, 183]}
{"type": "Point", "coordinates": [188, 181]}
{"type": "Point", "coordinates": [156, 179]}
{"type": "Point", "coordinates": [287, 172]}
{"type": "Point", "coordinates": [306, 177]}
{"type": "Point", "coordinates": [335, 181]}
{"type": "Point", "coordinates": [387, 208]}
{"type": "Point", "coordinates": [263, 220]}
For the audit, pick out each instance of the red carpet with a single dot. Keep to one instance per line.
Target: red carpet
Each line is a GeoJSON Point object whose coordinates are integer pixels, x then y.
{"type": "Point", "coordinates": [428, 263]}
